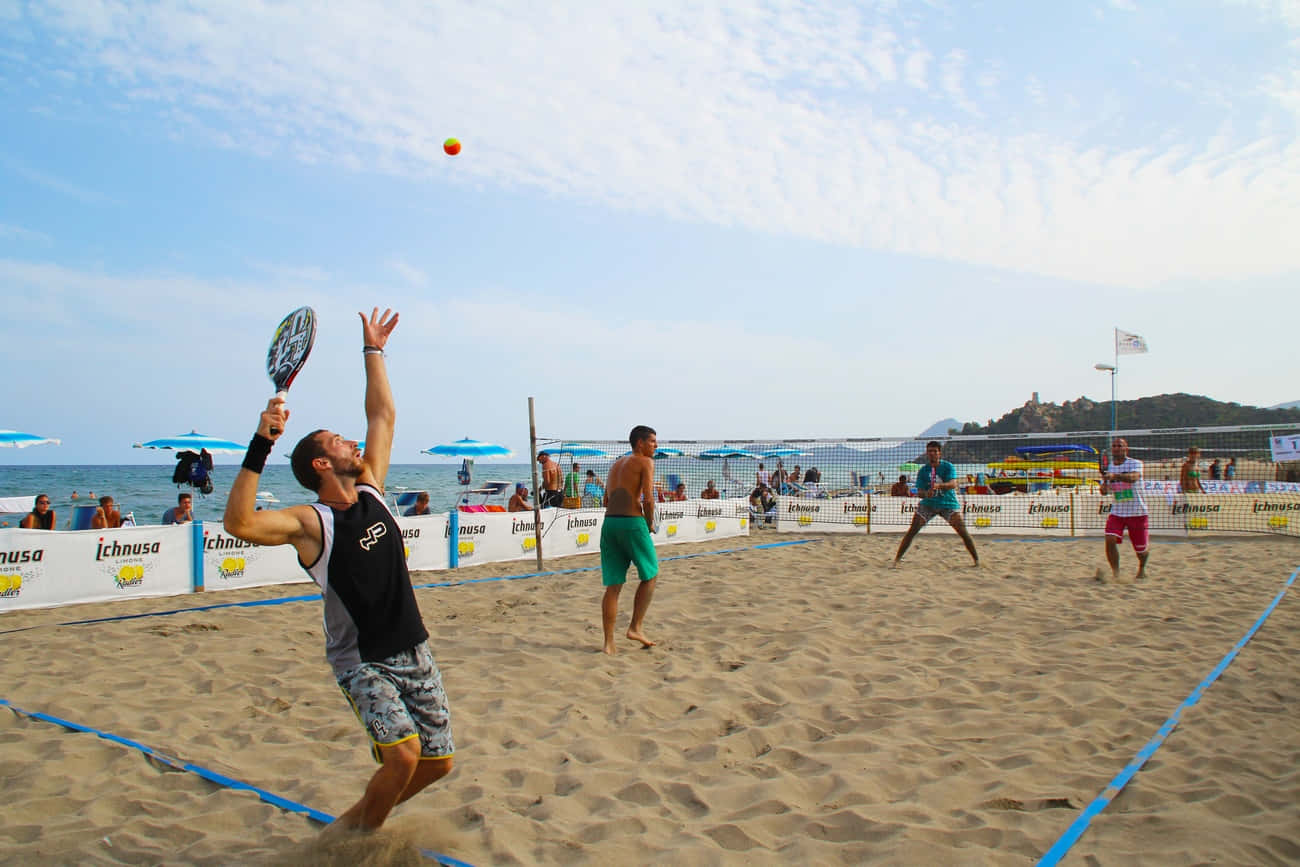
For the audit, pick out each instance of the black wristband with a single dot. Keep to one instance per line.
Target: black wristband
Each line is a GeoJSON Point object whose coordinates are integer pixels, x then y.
{"type": "Point", "coordinates": [259, 449]}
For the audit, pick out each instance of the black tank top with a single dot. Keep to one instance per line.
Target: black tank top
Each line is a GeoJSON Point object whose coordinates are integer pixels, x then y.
{"type": "Point", "coordinates": [370, 608]}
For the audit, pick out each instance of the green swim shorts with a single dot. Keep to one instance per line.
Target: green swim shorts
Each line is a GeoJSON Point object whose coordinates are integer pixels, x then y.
{"type": "Point", "coordinates": [626, 540]}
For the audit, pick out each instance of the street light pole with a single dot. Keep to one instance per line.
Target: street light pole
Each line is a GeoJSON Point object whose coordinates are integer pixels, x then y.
{"type": "Point", "coordinates": [1113, 369]}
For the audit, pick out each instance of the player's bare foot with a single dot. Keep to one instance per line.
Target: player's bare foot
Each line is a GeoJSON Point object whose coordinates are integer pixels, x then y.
{"type": "Point", "coordinates": [1101, 576]}
{"type": "Point", "coordinates": [640, 636]}
{"type": "Point", "coordinates": [609, 648]}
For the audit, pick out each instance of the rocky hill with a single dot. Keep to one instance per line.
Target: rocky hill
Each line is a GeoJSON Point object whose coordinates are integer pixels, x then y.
{"type": "Point", "coordinates": [1161, 411]}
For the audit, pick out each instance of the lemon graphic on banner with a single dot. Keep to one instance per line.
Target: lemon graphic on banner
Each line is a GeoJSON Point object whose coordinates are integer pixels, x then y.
{"type": "Point", "coordinates": [528, 543]}
{"type": "Point", "coordinates": [1198, 523]}
{"type": "Point", "coordinates": [465, 549]}
{"type": "Point", "coordinates": [1049, 523]}
{"type": "Point", "coordinates": [983, 522]}
{"type": "Point", "coordinates": [584, 539]}
{"type": "Point", "coordinates": [859, 520]}
{"type": "Point", "coordinates": [1277, 522]}
{"type": "Point", "coordinates": [710, 526]}
{"type": "Point", "coordinates": [672, 529]}
{"type": "Point", "coordinates": [10, 583]}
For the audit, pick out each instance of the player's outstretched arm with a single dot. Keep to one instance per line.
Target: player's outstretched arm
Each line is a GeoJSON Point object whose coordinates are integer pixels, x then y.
{"type": "Point", "coordinates": [296, 525]}
{"type": "Point", "coordinates": [381, 410]}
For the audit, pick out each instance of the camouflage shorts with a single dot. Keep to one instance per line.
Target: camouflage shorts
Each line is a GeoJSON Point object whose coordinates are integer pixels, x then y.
{"type": "Point", "coordinates": [401, 698]}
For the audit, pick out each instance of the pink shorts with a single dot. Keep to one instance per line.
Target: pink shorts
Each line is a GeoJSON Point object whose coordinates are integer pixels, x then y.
{"type": "Point", "coordinates": [1137, 530]}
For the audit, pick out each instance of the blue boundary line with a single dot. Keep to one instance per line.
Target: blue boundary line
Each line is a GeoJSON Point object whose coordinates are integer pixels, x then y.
{"type": "Point", "coordinates": [1075, 831]}
{"type": "Point", "coordinates": [257, 603]}
{"type": "Point", "coordinates": [209, 775]}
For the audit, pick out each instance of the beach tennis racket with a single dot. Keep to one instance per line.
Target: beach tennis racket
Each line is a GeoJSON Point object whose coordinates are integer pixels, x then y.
{"type": "Point", "coordinates": [290, 347]}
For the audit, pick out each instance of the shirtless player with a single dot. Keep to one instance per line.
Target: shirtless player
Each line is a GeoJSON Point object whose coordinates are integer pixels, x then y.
{"type": "Point", "coordinates": [625, 534]}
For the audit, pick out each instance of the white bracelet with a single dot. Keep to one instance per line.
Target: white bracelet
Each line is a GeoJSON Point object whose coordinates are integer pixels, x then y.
{"type": "Point", "coordinates": [369, 350]}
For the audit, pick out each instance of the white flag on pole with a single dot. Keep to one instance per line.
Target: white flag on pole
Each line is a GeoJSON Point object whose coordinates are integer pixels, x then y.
{"type": "Point", "coordinates": [1128, 344]}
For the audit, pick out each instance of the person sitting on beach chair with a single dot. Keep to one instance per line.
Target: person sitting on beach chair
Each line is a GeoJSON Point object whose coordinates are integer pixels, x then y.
{"type": "Point", "coordinates": [419, 507]}
{"type": "Point", "coordinates": [41, 517]}
{"type": "Point", "coordinates": [106, 516]}
{"type": "Point", "coordinates": [593, 492]}
{"type": "Point", "coordinates": [762, 502]}
{"type": "Point", "coordinates": [519, 500]}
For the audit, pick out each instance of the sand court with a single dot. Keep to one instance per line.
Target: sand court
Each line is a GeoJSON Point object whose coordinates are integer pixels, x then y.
{"type": "Point", "coordinates": [805, 704]}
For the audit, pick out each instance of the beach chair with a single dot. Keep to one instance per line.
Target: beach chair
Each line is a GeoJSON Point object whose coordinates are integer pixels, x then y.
{"type": "Point", "coordinates": [82, 516]}
{"type": "Point", "coordinates": [405, 500]}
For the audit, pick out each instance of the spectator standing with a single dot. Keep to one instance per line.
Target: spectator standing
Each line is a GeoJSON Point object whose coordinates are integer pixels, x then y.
{"type": "Point", "coordinates": [552, 495]}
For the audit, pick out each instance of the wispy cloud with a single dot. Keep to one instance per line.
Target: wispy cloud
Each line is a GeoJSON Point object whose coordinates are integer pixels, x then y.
{"type": "Point", "coordinates": [923, 145]}
{"type": "Point", "coordinates": [27, 236]}
{"type": "Point", "coordinates": [52, 182]}
{"type": "Point", "coordinates": [410, 274]}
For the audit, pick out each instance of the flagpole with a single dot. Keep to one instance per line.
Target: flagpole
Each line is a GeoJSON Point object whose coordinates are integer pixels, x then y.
{"type": "Point", "coordinates": [1113, 374]}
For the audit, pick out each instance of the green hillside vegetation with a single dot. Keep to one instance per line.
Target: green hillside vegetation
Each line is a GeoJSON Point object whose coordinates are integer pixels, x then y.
{"type": "Point", "coordinates": [1162, 411]}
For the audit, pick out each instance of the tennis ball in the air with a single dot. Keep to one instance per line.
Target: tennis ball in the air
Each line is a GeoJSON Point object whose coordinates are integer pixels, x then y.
{"type": "Point", "coordinates": [451, 146]}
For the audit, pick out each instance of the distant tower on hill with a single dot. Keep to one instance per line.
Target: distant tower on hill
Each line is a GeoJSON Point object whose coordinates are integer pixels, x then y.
{"type": "Point", "coordinates": [1035, 400]}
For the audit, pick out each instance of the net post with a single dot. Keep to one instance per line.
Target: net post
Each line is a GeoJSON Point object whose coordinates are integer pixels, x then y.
{"type": "Point", "coordinates": [537, 491]}
{"type": "Point", "coordinates": [453, 537]}
{"type": "Point", "coordinates": [196, 555]}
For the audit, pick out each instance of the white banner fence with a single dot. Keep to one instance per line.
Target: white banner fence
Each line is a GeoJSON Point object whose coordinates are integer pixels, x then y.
{"type": "Point", "coordinates": [40, 569]}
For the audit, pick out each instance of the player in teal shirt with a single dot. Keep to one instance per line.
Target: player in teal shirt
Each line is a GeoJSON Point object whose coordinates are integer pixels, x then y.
{"type": "Point", "coordinates": [937, 480]}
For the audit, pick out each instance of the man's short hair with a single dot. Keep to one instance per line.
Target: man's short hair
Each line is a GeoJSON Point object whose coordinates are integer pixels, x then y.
{"type": "Point", "coordinates": [541, 455]}
{"type": "Point", "coordinates": [935, 444]}
{"type": "Point", "coordinates": [105, 501]}
{"type": "Point", "coordinates": [181, 497]}
{"type": "Point", "coordinates": [308, 449]}
{"type": "Point", "coordinates": [903, 478]}
{"type": "Point", "coordinates": [639, 434]}
{"type": "Point", "coordinates": [422, 497]}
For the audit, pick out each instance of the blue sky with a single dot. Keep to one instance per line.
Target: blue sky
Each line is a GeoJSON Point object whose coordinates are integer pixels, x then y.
{"type": "Point", "coordinates": [726, 220]}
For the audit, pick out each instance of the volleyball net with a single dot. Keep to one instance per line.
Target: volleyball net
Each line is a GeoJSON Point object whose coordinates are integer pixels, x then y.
{"type": "Point", "coordinates": [1242, 479]}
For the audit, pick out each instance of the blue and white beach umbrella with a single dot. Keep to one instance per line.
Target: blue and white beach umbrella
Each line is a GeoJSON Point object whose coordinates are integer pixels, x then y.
{"type": "Point", "coordinates": [468, 448]}
{"type": "Point", "coordinates": [784, 453]}
{"type": "Point", "coordinates": [664, 452]}
{"type": "Point", "coordinates": [725, 453]}
{"type": "Point", "coordinates": [194, 441]}
{"type": "Point", "coordinates": [12, 439]}
{"type": "Point", "coordinates": [577, 450]}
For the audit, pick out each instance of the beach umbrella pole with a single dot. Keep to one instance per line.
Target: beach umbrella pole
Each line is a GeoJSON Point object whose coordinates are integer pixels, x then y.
{"type": "Point", "coordinates": [537, 500]}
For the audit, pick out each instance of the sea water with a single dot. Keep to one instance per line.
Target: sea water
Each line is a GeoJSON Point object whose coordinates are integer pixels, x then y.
{"type": "Point", "coordinates": [148, 491]}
